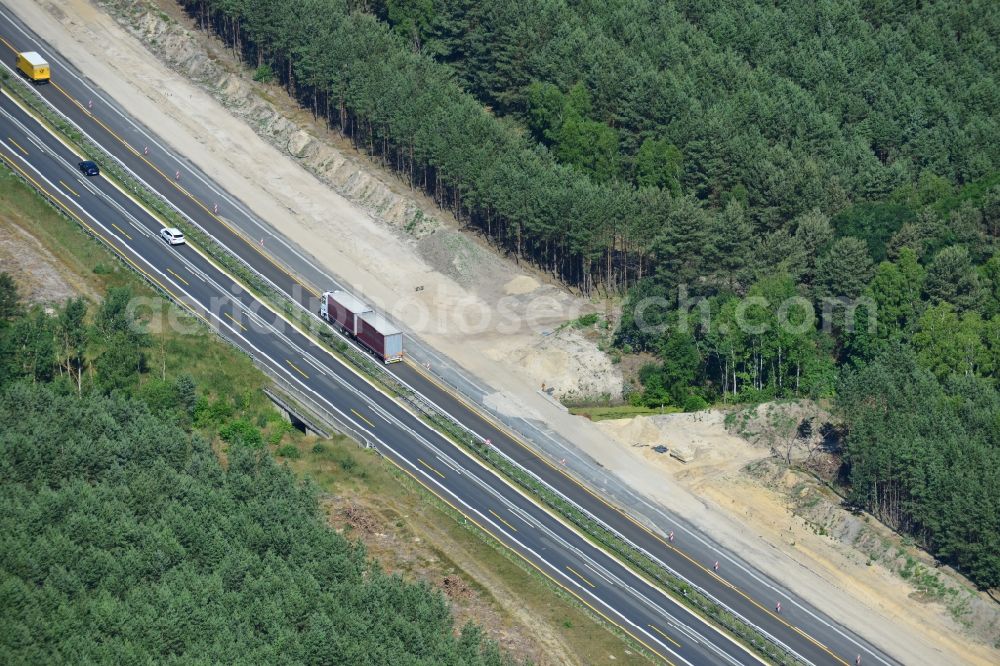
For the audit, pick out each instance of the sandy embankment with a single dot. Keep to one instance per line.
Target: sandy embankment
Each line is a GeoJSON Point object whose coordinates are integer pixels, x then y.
{"type": "Point", "coordinates": [352, 222]}
{"type": "Point", "coordinates": [814, 553]}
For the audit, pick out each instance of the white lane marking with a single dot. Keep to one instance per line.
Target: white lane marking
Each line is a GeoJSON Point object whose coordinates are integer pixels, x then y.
{"type": "Point", "coordinates": [316, 365]}
{"type": "Point", "coordinates": [252, 219]}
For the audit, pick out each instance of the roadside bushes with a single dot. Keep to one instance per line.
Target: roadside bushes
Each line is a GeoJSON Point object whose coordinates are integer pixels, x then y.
{"type": "Point", "coordinates": [240, 432]}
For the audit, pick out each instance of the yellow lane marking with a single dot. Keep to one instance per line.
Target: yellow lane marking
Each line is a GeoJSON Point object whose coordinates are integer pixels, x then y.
{"type": "Point", "coordinates": [660, 632]}
{"type": "Point", "coordinates": [125, 233]}
{"type": "Point", "coordinates": [566, 588]}
{"type": "Point", "coordinates": [315, 293]}
{"type": "Point", "coordinates": [72, 191]}
{"type": "Point", "coordinates": [579, 575]}
{"type": "Point", "coordinates": [97, 234]}
{"type": "Point", "coordinates": [234, 321]}
{"type": "Point", "coordinates": [175, 274]}
{"type": "Point", "coordinates": [497, 515]}
{"type": "Point", "coordinates": [516, 440]}
{"type": "Point", "coordinates": [569, 590]}
{"type": "Point", "coordinates": [421, 461]}
{"type": "Point", "coordinates": [362, 417]}
{"type": "Point", "coordinates": [208, 210]}
{"type": "Point", "coordinates": [800, 631]}
{"type": "Point", "coordinates": [17, 145]}
{"type": "Point", "coordinates": [296, 368]}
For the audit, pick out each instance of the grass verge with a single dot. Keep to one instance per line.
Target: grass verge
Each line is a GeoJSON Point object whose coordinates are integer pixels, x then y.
{"type": "Point", "coordinates": [605, 412]}
{"type": "Point", "coordinates": [365, 476]}
{"type": "Point", "coordinates": [600, 535]}
{"type": "Point", "coordinates": [679, 589]}
{"type": "Point", "coordinates": [230, 383]}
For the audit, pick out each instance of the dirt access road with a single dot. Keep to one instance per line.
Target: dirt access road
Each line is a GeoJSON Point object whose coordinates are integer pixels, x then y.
{"type": "Point", "coordinates": [368, 246]}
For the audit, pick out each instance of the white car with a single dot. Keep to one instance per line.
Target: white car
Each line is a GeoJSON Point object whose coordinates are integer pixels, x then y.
{"type": "Point", "coordinates": [172, 236]}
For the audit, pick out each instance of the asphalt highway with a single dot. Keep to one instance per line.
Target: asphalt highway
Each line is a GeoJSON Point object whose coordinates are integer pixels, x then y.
{"type": "Point", "coordinates": [588, 573]}
{"type": "Point", "coordinates": [554, 549]}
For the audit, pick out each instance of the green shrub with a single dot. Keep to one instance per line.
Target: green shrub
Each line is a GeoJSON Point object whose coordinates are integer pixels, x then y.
{"type": "Point", "coordinates": [160, 395]}
{"type": "Point", "coordinates": [187, 394]}
{"type": "Point", "coordinates": [263, 74]}
{"type": "Point", "coordinates": [694, 403]}
{"type": "Point", "coordinates": [319, 448]}
{"type": "Point", "coordinates": [219, 410]}
{"type": "Point", "coordinates": [200, 411]}
{"type": "Point", "coordinates": [288, 451]}
{"type": "Point", "coordinates": [278, 429]}
{"type": "Point", "coordinates": [272, 415]}
{"type": "Point", "coordinates": [245, 399]}
{"type": "Point", "coordinates": [241, 432]}
{"type": "Point", "coordinates": [346, 461]}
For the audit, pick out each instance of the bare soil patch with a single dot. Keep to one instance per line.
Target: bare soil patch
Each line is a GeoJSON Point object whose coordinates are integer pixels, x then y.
{"type": "Point", "coordinates": [39, 275]}
{"type": "Point", "coordinates": [376, 243]}
{"type": "Point", "coordinates": [930, 616]}
{"type": "Point", "coordinates": [413, 542]}
{"type": "Point", "coordinates": [366, 225]}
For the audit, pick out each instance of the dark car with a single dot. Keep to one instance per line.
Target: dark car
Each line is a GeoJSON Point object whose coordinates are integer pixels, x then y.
{"type": "Point", "coordinates": [89, 168]}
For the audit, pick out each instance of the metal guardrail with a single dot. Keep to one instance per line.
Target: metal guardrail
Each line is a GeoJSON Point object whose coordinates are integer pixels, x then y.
{"type": "Point", "coordinates": [295, 412]}
{"type": "Point", "coordinates": [315, 409]}
{"type": "Point", "coordinates": [405, 393]}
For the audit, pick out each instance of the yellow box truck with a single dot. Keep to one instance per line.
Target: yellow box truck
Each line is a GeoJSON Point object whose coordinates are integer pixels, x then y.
{"type": "Point", "coordinates": [33, 66]}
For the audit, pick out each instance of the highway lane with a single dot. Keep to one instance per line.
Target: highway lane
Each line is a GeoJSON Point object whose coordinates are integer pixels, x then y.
{"type": "Point", "coordinates": [557, 551]}
{"type": "Point", "coordinates": [805, 630]}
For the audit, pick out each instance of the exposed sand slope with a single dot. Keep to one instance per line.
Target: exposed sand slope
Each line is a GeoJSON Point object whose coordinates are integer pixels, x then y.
{"type": "Point", "coordinates": [808, 558]}
{"type": "Point", "coordinates": [384, 262]}
{"type": "Point", "coordinates": [363, 223]}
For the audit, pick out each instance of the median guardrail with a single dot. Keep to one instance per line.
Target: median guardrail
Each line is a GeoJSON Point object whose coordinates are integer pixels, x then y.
{"type": "Point", "coordinates": [596, 530]}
